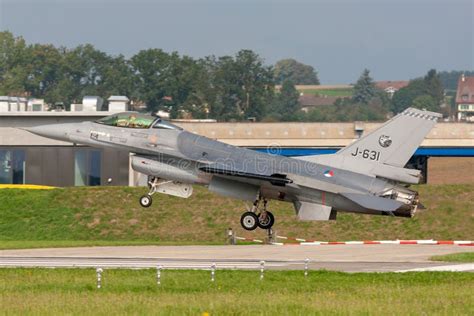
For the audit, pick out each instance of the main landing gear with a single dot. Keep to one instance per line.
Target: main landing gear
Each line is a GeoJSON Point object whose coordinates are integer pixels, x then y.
{"type": "Point", "coordinates": [252, 219]}
{"type": "Point", "coordinates": [153, 185]}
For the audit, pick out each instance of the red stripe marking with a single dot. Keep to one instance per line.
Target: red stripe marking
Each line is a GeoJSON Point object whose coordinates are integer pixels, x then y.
{"type": "Point", "coordinates": [336, 243]}
{"type": "Point", "coordinates": [408, 242]}
{"type": "Point", "coordinates": [445, 242]}
{"type": "Point", "coordinates": [371, 242]}
{"type": "Point", "coordinates": [471, 244]}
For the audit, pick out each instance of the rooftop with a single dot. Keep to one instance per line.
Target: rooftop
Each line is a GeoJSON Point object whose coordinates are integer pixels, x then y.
{"type": "Point", "coordinates": [465, 92]}
{"type": "Point", "coordinates": [12, 99]}
{"type": "Point", "coordinates": [397, 84]}
{"type": "Point", "coordinates": [118, 98]}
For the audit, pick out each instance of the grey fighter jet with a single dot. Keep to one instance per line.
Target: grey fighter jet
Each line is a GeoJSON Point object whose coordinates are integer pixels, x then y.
{"type": "Point", "coordinates": [366, 177]}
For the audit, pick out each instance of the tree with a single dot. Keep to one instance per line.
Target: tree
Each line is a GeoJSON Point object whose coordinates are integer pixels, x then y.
{"type": "Point", "coordinates": [256, 81]}
{"type": "Point", "coordinates": [286, 102]}
{"type": "Point", "coordinates": [118, 78]}
{"type": "Point", "coordinates": [449, 79]}
{"type": "Point", "coordinates": [364, 89]}
{"type": "Point", "coordinates": [241, 86]}
{"type": "Point", "coordinates": [298, 73]}
{"type": "Point", "coordinates": [433, 86]}
{"type": "Point", "coordinates": [425, 102]}
{"type": "Point", "coordinates": [404, 97]}
{"type": "Point", "coordinates": [151, 68]}
{"type": "Point", "coordinates": [430, 85]}
{"type": "Point", "coordinates": [14, 56]}
{"type": "Point", "coordinates": [44, 71]}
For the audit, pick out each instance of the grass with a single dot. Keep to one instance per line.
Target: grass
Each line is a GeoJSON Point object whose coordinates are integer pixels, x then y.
{"type": "Point", "coordinates": [456, 257]}
{"type": "Point", "coordinates": [346, 92]}
{"type": "Point", "coordinates": [63, 291]}
{"type": "Point", "coordinates": [112, 216]}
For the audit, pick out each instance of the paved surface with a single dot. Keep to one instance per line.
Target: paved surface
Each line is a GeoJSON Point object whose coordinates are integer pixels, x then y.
{"type": "Point", "coordinates": [349, 258]}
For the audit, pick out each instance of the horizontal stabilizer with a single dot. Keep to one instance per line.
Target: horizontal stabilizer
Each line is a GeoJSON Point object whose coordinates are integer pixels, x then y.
{"type": "Point", "coordinates": [373, 202]}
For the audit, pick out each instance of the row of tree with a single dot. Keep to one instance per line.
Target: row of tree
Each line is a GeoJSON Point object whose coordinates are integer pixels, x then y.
{"type": "Point", "coordinates": [449, 79]}
{"type": "Point", "coordinates": [423, 93]}
{"type": "Point", "coordinates": [368, 103]}
{"type": "Point", "coordinates": [227, 87]}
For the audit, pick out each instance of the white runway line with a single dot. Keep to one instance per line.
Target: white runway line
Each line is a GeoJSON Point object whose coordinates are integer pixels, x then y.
{"type": "Point", "coordinates": [451, 267]}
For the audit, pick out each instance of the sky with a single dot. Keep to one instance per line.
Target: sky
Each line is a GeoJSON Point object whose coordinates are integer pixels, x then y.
{"type": "Point", "coordinates": [395, 40]}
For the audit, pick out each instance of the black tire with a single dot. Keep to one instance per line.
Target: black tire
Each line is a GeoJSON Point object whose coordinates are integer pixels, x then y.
{"type": "Point", "coordinates": [249, 221]}
{"type": "Point", "coordinates": [268, 222]}
{"type": "Point", "coordinates": [146, 201]}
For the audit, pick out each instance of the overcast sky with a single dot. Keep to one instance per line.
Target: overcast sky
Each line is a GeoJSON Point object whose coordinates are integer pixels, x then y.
{"type": "Point", "coordinates": [394, 39]}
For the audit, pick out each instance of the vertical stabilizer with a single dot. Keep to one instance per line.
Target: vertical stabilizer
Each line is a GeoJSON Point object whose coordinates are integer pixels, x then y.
{"type": "Point", "coordinates": [394, 142]}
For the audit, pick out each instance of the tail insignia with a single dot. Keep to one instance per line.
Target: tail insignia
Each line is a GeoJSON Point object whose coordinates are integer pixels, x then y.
{"type": "Point", "coordinates": [385, 141]}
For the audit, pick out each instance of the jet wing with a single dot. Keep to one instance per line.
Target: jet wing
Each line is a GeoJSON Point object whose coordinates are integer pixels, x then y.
{"type": "Point", "coordinates": [275, 179]}
{"type": "Point", "coordinates": [373, 202]}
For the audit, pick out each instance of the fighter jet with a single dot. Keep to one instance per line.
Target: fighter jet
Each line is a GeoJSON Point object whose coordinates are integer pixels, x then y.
{"type": "Point", "coordinates": [366, 177]}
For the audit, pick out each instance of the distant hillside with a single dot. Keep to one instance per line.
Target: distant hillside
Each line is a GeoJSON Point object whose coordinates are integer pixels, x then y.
{"type": "Point", "coordinates": [112, 214]}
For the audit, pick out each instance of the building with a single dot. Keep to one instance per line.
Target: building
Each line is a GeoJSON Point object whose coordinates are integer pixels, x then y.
{"type": "Point", "coordinates": [13, 104]}
{"type": "Point", "coordinates": [390, 87]}
{"type": "Point", "coordinates": [4, 104]}
{"type": "Point", "coordinates": [465, 99]}
{"type": "Point", "coordinates": [36, 105]}
{"type": "Point", "coordinates": [118, 103]}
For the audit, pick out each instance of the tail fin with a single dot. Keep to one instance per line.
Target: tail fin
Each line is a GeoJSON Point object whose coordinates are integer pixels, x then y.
{"type": "Point", "coordinates": [394, 142]}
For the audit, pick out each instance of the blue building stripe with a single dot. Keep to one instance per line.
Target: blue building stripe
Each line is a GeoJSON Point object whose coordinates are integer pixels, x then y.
{"type": "Point", "coordinates": [425, 151]}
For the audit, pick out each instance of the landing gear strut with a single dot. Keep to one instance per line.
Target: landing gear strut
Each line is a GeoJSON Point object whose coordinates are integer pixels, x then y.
{"type": "Point", "coordinates": [153, 184]}
{"type": "Point", "coordinates": [255, 218]}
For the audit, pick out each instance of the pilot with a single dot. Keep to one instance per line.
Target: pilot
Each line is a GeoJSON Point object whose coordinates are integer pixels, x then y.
{"type": "Point", "coordinates": [132, 121]}
{"type": "Point", "coordinates": [122, 122]}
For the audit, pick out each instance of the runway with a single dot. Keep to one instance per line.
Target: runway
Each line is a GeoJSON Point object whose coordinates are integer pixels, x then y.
{"type": "Point", "coordinates": [347, 258]}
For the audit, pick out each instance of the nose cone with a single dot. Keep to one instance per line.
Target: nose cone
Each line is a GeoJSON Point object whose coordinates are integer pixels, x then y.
{"type": "Point", "coordinates": [54, 131]}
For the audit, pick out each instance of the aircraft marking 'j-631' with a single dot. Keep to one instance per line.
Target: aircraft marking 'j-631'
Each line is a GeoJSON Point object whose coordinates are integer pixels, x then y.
{"type": "Point", "coordinates": [366, 177]}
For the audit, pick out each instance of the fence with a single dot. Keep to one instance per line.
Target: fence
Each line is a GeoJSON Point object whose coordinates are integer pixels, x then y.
{"type": "Point", "coordinates": [272, 239]}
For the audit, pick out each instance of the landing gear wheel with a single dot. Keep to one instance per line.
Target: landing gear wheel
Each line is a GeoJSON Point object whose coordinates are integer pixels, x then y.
{"type": "Point", "coordinates": [146, 201]}
{"type": "Point", "coordinates": [249, 221]}
{"type": "Point", "coordinates": [266, 222]}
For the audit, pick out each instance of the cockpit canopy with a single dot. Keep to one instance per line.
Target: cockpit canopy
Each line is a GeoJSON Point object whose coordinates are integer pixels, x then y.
{"type": "Point", "coordinates": [136, 120]}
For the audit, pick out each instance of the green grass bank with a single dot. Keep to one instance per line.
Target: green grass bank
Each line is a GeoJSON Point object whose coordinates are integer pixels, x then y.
{"type": "Point", "coordinates": [112, 216]}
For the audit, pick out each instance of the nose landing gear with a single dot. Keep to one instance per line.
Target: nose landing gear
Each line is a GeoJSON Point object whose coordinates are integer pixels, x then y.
{"type": "Point", "coordinates": [153, 185]}
{"type": "Point", "coordinates": [252, 219]}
